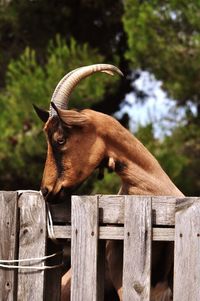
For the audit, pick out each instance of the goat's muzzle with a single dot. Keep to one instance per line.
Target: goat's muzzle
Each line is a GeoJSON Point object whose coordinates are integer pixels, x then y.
{"type": "Point", "coordinates": [63, 195]}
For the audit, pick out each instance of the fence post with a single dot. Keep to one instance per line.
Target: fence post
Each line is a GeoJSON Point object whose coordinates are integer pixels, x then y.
{"type": "Point", "coordinates": [137, 249]}
{"type": "Point", "coordinates": [32, 244]}
{"type": "Point", "coordinates": [187, 251]}
{"type": "Point", "coordinates": [8, 243]}
{"type": "Point", "coordinates": [84, 248]}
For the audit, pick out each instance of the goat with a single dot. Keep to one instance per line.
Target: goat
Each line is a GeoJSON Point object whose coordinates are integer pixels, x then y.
{"type": "Point", "coordinates": [78, 143]}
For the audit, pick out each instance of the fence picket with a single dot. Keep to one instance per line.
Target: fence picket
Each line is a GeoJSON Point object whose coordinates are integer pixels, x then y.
{"type": "Point", "coordinates": [187, 251]}
{"type": "Point", "coordinates": [137, 249]}
{"type": "Point", "coordinates": [8, 240]}
{"type": "Point", "coordinates": [84, 248]}
{"type": "Point", "coordinates": [32, 244]}
{"type": "Point", "coordinates": [126, 218]}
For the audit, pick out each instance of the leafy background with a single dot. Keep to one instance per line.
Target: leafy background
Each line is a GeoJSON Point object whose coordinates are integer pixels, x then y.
{"type": "Point", "coordinates": [41, 40]}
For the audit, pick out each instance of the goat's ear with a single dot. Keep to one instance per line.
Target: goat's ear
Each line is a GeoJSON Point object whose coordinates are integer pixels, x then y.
{"type": "Point", "coordinates": [42, 114]}
{"type": "Point", "coordinates": [73, 118]}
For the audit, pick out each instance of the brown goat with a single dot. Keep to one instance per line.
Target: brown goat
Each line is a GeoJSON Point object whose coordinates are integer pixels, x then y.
{"type": "Point", "coordinates": [78, 143]}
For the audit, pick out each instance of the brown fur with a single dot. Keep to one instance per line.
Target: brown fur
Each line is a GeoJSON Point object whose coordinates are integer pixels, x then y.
{"type": "Point", "coordinates": [89, 138]}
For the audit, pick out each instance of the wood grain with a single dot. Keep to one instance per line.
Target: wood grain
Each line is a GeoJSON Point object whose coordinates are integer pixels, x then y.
{"type": "Point", "coordinates": [8, 240]}
{"type": "Point", "coordinates": [114, 232]}
{"type": "Point", "coordinates": [187, 251]}
{"type": "Point", "coordinates": [32, 243]}
{"type": "Point", "coordinates": [137, 249]}
{"type": "Point", "coordinates": [111, 210]}
{"type": "Point", "coordinates": [125, 218]}
{"type": "Point", "coordinates": [84, 248]}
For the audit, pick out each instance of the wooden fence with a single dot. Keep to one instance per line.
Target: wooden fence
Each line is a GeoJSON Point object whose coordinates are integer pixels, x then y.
{"type": "Point", "coordinates": [137, 220]}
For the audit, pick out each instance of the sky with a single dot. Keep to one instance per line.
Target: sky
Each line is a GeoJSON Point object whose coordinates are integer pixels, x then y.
{"type": "Point", "coordinates": [158, 108]}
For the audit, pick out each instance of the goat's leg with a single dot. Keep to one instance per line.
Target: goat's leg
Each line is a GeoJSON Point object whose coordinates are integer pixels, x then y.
{"type": "Point", "coordinates": [65, 286]}
{"type": "Point", "coordinates": [114, 256]}
{"type": "Point", "coordinates": [161, 265]}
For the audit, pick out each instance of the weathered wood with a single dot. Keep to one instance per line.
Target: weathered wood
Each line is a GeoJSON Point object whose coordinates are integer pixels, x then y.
{"type": "Point", "coordinates": [163, 234]}
{"type": "Point", "coordinates": [32, 244]}
{"type": "Point", "coordinates": [62, 232]}
{"type": "Point", "coordinates": [88, 264]}
{"type": "Point", "coordinates": [187, 251]}
{"type": "Point", "coordinates": [84, 248]}
{"type": "Point", "coordinates": [137, 249]}
{"type": "Point", "coordinates": [163, 210]}
{"type": "Point", "coordinates": [8, 240]}
{"type": "Point", "coordinates": [112, 210]}
{"type": "Point", "coordinates": [114, 232]}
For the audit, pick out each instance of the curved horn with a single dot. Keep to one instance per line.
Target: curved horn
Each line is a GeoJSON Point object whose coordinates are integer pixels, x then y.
{"type": "Point", "coordinates": [66, 85]}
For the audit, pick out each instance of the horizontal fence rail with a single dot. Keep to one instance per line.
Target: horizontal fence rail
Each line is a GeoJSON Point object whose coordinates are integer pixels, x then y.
{"type": "Point", "coordinates": [135, 220]}
{"type": "Point", "coordinates": [111, 212]}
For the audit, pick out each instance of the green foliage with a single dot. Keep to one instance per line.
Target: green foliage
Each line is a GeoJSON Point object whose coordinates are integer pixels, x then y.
{"type": "Point", "coordinates": [63, 58]}
{"type": "Point", "coordinates": [22, 145]}
{"type": "Point", "coordinates": [185, 141]}
{"type": "Point", "coordinates": [177, 153]}
{"type": "Point", "coordinates": [164, 38]}
{"type": "Point", "coordinates": [33, 24]}
{"type": "Point", "coordinates": [110, 184]}
{"type": "Point", "coordinates": [168, 151]}
{"type": "Point", "coordinates": [146, 135]}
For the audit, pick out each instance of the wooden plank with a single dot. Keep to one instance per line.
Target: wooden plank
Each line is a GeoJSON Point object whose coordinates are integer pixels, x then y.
{"type": "Point", "coordinates": [62, 232]}
{"type": "Point", "coordinates": [84, 248]}
{"type": "Point", "coordinates": [163, 234]}
{"type": "Point", "coordinates": [137, 242]}
{"type": "Point", "coordinates": [112, 232]}
{"type": "Point", "coordinates": [187, 251]}
{"type": "Point", "coordinates": [115, 232]}
{"type": "Point", "coordinates": [32, 244]}
{"type": "Point", "coordinates": [112, 210]}
{"type": "Point", "coordinates": [163, 210]}
{"type": "Point", "coordinates": [159, 234]}
{"type": "Point", "coordinates": [8, 240]}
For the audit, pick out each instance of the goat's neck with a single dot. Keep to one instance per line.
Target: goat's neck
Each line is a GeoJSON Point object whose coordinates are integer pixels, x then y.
{"type": "Point", "coordinates": [139, 171]}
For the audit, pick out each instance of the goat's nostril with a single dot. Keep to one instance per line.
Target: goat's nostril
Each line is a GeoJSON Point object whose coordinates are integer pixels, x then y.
{"type": "Point", "coordinates": [44, 191]}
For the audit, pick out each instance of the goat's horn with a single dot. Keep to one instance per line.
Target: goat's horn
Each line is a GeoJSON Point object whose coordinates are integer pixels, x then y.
{"type": "Point", "coordinates": [66, 85]}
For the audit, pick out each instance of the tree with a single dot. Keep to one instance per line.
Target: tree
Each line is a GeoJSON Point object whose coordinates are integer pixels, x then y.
{"type": "Point", "coordinates": [22, 146]}
{"type": "Point", "coordinates": [33, 23]}
{"type": "Point", "coordinates": [164, 38]}
{"type": "Point", "coordinates": [26, 28]}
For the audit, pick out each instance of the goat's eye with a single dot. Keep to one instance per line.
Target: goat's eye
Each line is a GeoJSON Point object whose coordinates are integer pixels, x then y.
{"type": "Point", "coordinates": [61, 141]}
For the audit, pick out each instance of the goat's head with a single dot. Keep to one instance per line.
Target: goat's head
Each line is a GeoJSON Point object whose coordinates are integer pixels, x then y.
{"type": "Point", "coordinates": [75, 147]}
